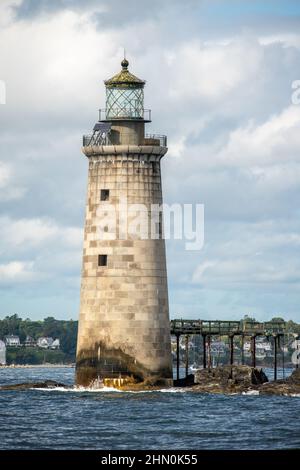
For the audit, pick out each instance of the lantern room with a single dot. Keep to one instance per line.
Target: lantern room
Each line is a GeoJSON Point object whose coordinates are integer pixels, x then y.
{"type": "Point", "coordinates": [124, 96]}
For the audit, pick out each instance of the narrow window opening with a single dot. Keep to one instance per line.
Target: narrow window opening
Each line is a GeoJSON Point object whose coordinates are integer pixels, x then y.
{"type": "Point", "coordinates": [104, 195]}
{"type": "Point", "coordinates": [154, 167]}
{"type": "Point", "coordinates": [102, 260]}
{"type": "Point", "coordinates": [160, 226]}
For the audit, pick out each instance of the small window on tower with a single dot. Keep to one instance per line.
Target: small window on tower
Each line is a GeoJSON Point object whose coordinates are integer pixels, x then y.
{"type": "Point", "coordinates": [104, 195]}
{"type": "Point", "coordinates": [102, 260]}
{"type": "Point", "coordinates": [154, 167]}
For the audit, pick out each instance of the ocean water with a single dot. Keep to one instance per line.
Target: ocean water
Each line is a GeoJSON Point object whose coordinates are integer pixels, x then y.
{"type": "Point", "coordinates": [166, 419]}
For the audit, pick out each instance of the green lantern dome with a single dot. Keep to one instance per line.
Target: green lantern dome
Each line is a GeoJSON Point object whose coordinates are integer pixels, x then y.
{"type": "Point", "coordinates": [124, 78]}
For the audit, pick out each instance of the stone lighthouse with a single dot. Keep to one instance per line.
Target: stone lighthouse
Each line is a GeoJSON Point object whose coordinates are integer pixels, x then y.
{"type": "Point", "coordinates": [124, 332]}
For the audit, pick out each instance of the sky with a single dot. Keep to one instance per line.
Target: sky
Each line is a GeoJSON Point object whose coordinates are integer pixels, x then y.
{"type": "Point", "coordinates": [219, 82]}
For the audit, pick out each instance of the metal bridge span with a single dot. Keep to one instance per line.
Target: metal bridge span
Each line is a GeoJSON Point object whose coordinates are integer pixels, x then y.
{"type": "Point", "coordinates": [229, 328]}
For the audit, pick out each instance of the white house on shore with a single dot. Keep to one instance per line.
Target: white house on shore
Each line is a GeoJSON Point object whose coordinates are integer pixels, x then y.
{"type": "Point", "coordinates": [29, 342]}
{"type": "Point", "coordinates": [12, 341]}
{"type": "Point", "coordinates": [45, 342]}
{"type": "Point", "coordinates": [2, 353]}
{"type": "Point", "coordinates": [48, 343]}
{"type": "Point", "coordinates": [55, 344]}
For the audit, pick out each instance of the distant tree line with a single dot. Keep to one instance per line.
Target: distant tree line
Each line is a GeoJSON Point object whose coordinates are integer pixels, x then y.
{"type": "Point", "coordinates": [64, 330]}
{"type": "Point", "coordinates": [31, 356]}
{"type": "Point", "coordinates": [291, 326]}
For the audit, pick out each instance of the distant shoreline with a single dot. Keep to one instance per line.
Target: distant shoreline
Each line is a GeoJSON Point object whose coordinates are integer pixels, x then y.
{"type": "Point", "coordinates": [36, 366]}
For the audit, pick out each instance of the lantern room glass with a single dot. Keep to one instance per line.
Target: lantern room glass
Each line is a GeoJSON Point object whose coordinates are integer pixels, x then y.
{"type": "Point", "coordinates": [124, 102]}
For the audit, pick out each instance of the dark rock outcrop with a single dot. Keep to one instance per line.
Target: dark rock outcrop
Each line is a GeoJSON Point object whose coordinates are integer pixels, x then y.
{"type": "Point", "coordinates": [25, 386]}
{"type": "Point", "coordinates": [229, 379]}
{"type": "Point", "coordinates": [294, 378]}
{"type": "Point", "coordinates": [289, 386]}
{"type": "Point", "coordinates": [185, 381]}
{"type": "Point", "coordinates": [244, 379]}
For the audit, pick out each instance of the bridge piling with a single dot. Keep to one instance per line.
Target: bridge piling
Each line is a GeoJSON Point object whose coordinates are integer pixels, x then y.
{"type": "Point", "coordinates": [253, 350]}
{"type": "Point", "coordinates": [209, 351]}
{"type": "Point", "coordinates": [177, 356]}
{"type": "Point", "coordinates": [242, 349]}
{"type": "Point", "coordinates": [204, 350]}
{"type": "Point", "coordinates": [275, 356]}
{"type": "Point", "coordinates": [231, 338]}
{"type": "Point", "coordinates": [186, 355]}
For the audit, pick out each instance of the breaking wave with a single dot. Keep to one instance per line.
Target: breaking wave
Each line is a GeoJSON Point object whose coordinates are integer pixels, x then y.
{"type": "Point", "coordinates": [105, 390]}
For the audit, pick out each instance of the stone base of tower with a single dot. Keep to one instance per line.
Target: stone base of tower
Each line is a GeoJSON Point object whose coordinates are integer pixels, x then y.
{"type": "Point", "coordinates": [118, 370]}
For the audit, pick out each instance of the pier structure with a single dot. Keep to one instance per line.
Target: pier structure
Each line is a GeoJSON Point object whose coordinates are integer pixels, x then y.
{"type": "Point", "coordinates": [274, 330]}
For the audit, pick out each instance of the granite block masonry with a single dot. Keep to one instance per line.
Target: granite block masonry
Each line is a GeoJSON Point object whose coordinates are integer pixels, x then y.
{"type": "Point", "coordinates": [124, 332]}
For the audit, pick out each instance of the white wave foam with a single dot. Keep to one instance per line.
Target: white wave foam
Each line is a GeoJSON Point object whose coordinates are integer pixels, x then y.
{"type": "Point", "coordinates": [105, 390]}
{"type": "Point", "coordinates": [251, 392]}
{"type": "Point", "coordinates": [76, 389]}
{"type": "Point", "coordinates": [115, 390]}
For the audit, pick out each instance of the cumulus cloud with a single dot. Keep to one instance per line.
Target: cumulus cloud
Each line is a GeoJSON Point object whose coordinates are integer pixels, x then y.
{"type": "Point", "coordinates": [16, 271]}
{"type": "Point", "coordinates": [4, 175]}
{"type": "Point", "coordinates": [23, 235]}
{"type": "Point", "coordinates": [8, 191]}
{"type": "Point", "coordinates": [39, 251]}
{"type": "Point", "coordinates": [245, 271]}
{"type": "Point", "coordinates": [60, 73]}
{"type": "Point", "coordinates": [275, 141]}
{"type": "Point", "coordinates": [19, 232]}
{"type": "Point", "coordinates": [33, 232]}
{"type": "Point", "coordinates": [214, 70]}
{"type": "Point", "coordinates": [108, 14]}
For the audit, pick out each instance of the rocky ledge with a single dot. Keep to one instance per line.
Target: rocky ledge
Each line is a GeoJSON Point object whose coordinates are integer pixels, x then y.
{"type": "Point", "coordinates": [243, 379]}
{"type": "Point", "coordinates": [225, 380]}
{"type": "Point", "coordinates": [28, 385]}
{"type": "Point", "coordinates": [289, 386]}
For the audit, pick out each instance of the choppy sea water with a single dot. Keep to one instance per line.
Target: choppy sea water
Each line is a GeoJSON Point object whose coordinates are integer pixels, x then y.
{"type": "Point", "coordinates": [167, 419]}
